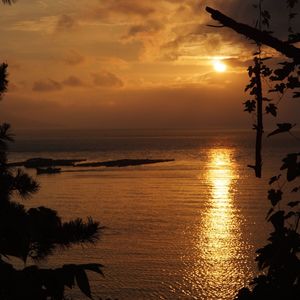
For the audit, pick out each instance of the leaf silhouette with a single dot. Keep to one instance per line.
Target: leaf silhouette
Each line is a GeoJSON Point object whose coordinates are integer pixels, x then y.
{"type": "Point", "coordinates": [293, 168]}
{"type": "Point", "coordinates": [282, 127]}
{"type": "Point", "coordinates": [83, 282]}
{"type": "Point", "coordinates": [277, 220]}
{"type": "Point", "coordinates": [274, 178]}
{"type": "Point", "coordinates": [293, 203]}
{"type": "Point", "coordinates": [293, 82]}
{"type": "Point", "coordinates": [93, 267]}
{"type": "Point", "coordinates": [296, 95]}
{"type": "Point", "coordinates": [271, 109]}
{"type": "Point", "coordinates": [289, 215]}
{"type": "Point", "coordinates": [274, 196]}
{"type": "Point", "coordinates": [250, 105]}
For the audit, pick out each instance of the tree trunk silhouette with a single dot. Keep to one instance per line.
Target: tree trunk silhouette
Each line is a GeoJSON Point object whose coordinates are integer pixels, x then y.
{"type": "Point", "coordinates": [259, 124]}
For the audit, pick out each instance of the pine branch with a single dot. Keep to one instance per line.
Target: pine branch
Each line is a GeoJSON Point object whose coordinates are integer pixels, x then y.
{"type": "Point", "coordinates": [77, 231]}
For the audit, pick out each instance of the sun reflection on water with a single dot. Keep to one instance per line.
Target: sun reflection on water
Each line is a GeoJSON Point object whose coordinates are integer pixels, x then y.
{"type": "Point", "coordinates": [220, 216]}
{"type": "Point", "coordinates": [219, 237]}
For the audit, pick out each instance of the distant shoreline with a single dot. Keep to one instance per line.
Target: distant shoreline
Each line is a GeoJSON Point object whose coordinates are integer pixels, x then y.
{"type": "Point", "coordinates": [40, 162]}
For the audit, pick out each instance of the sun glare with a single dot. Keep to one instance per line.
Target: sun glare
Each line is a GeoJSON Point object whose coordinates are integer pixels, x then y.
{"type": "Point", "coordinates": [219, 66]}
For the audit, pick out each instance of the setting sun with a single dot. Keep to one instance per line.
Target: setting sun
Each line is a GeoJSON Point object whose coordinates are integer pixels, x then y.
{"type": "Point", "coordinates": [219, 66]}
{"type": "Point", "coordinates": [130, 119]}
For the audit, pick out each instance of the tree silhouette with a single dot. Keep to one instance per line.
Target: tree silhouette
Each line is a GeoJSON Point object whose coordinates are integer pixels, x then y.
{"type": "Point", "coordinates": [34, 233]}
{"type": "Point", "coordinates": [279, 259]}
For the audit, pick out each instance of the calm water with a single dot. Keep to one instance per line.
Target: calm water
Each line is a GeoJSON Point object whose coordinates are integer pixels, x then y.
{"type": "Point", "coordinates": [186, 229]}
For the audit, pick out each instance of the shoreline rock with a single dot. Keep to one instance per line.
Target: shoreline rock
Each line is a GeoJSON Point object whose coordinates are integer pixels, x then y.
{"type": "Point", "coordinates": [123, 162]}
{"type": "Point", "coordinates": [40, 162]}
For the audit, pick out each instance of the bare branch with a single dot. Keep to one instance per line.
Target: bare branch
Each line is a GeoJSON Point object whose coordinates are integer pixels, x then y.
{"type": "Point", "coordinates": [257, 35]}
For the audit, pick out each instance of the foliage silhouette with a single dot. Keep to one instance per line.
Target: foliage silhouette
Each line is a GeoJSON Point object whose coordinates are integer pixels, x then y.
{"type": "Point", "coordinates": [34, 233]}
{"type": "Point", "coordinates": [279, 259]}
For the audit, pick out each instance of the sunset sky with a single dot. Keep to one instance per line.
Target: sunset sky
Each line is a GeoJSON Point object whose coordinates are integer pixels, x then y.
{"type": "Point", "coordinates": [126, 63]}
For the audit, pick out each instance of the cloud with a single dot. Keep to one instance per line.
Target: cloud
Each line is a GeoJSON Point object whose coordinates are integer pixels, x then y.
{"type": "Point", "coordinates": [131, 7]}
{"type": "Point", "coordinates": [102, 79]}
{"type": "Point", "coordinates": [47, 24]}
{"type": "Point", "coordinates": [72, 57]}
{"type": "Point", "coordinates": [149, 28]}
{"type": "Point", "coordinates": [173, 106]}
{"type": "Point", "coordinates": [65, 23]}
{"type": "Point", "coordinates": [72, 81]}
{"type": "Point", "coordinates": [46, 86]}
{"type": "Point", "coordinates": [174, 29]}
{"type": "Point", "coordinates": [107, 80]}
{"type": "Point", "coordinates": [109, 9]}
{"type": "Point", "coordinates": [42, 24]}
{"type": "Point", "coordinates": [114, 62]}
{"type": "Point", "coordinates": [51, 85]}
{"type": "Point", "coordinates": [167, 29]}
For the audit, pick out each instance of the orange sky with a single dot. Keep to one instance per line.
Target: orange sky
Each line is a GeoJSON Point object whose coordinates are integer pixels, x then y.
{"type": "Point", "coordinates": [123, 64]}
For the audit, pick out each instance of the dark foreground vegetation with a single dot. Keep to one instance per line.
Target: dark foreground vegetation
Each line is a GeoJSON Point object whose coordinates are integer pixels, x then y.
{"type": "Point", "coordinates": [31, 235]}
{"type": "Point", "coordinates": [278, 260]}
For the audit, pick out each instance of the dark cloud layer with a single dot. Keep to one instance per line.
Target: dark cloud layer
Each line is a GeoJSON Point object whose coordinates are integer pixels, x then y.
{"type": "Point", "coordinates": [72, 58]}
{"type": "Point", "coordinates": [183, 106]}
{"type": "Point", "coordinates": [107, 79]}
{"type": "Point", "coordinates": [102, 79]}
{"type": "Point", "coordinates": [125, 7]}
{"type": "Point", "coordinates": [65, 23]}
{"type": "Point", "coordinates": [46, 86]}
{"type": "Point", "coordinates": [73, 81]}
